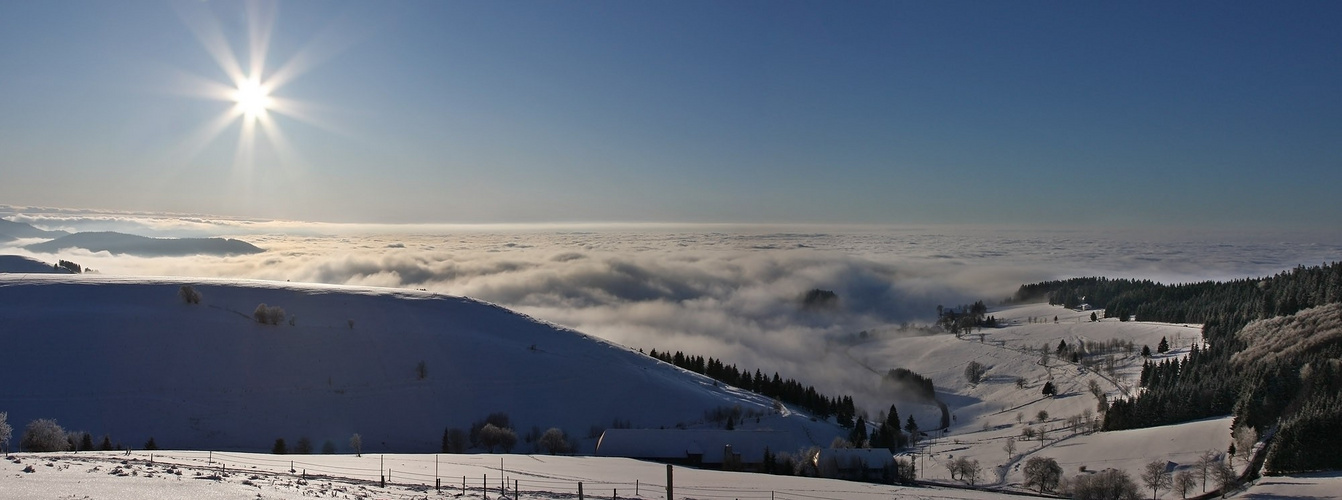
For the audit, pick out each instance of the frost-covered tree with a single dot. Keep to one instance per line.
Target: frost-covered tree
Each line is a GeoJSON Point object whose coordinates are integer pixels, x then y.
{"type": "Point", "coordinates": [44, 434]}
{"type": "Point", "coordinates": [356, 444]}
{"type": "Point", "coordinates": [6, 432]}
{"type": "Point", "coordinates": [268, 315]}
{"type": "Point", "coordinates": [554, 441]}
{"type": "Point", "coordinates": [1010, 447]}
{"type": "Point", "coordinates": [492, 437]}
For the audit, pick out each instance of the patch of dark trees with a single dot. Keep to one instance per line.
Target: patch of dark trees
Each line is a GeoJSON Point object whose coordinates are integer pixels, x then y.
{"type": "Point", "coordinates": [820, 299]}
{"type": "Point", "coordinates": [965, 318]}
{"type": "Point", "coordinates": [1305, 410]}
{"type": "Point", "coordinates": [787, 391]}
{"type": "Point", "coordinates": [911, 383]}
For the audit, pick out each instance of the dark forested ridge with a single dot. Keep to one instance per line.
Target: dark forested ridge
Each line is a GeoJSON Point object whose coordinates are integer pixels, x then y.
{"type": "Point", "coordinates": [1297, 388]}
{"type": "Point", "coordinates": [788, 391]}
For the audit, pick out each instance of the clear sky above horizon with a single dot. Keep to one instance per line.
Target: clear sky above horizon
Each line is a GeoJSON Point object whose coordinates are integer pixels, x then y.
{"type": "Point", "coordinates": [1133, 114]}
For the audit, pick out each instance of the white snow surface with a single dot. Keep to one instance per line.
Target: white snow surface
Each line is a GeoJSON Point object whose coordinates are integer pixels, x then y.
{"type": "Point", "coordinates": [195, 474]}
{"type": "Point", "coordinates": [127, 357]}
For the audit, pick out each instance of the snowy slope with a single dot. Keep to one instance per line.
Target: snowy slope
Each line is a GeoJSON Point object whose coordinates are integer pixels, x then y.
{"type": "Point", "coordinates": [127, 357]}
{"type": "Point", "coordinates": [20, 264]}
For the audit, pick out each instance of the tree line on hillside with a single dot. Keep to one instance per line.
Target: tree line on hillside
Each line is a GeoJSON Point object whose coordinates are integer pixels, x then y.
{"type": "Point", "coordinates": [965, 318]}
{"type": "Point", "coordinates": [1296, 389]}
{"type": "Point", "coordinates": [787, 391]}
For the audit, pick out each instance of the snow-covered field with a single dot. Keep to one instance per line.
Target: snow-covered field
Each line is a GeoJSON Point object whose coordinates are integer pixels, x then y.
{"type": "Point", "coordinates": [110, 475]}
{"type": "Point", "coordinates": [126, 357]}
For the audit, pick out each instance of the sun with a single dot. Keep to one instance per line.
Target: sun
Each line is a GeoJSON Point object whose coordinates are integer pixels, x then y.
{"type": "Point", "coordinates": [252, 98]}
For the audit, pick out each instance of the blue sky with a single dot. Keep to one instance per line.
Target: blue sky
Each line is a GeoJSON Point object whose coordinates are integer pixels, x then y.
{"type": "Point", "coordinates": [1133, 114]}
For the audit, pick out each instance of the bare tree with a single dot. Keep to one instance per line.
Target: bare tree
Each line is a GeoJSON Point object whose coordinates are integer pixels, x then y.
{"type": "Point", "coordinates": [1183, 483]}
{"type": "Point", "coordinates": [1105, 485]}
{"type": "Point", "coordinates": [1225, 476]}
{"type": "Point", "coordinates": [1043, 473]}
{"type": "Point", "coordinates": [970, 470]}
{"type": "Point", "coordinates": [1155, 476]}
{"type": "Point", "coordinates": [1010, 447]}
{"type": "Point", "coordinates": [189, 294]}
{"type": "Point", "coordinates": [974, 372]}
{"type": "Point", "coordinates": [1042, 415]}
{"type": "Point", "coordinates": [1203, 469]}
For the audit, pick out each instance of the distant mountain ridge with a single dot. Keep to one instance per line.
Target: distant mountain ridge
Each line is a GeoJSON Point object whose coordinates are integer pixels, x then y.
{"type": "Point", "coordinates": [20, 230]}
{"type": "Point", "coordinates": [121, 243]}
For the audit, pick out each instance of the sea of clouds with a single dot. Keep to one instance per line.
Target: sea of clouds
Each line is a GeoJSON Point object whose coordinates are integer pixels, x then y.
{"type": "Point", "coordinates": [733, 292]}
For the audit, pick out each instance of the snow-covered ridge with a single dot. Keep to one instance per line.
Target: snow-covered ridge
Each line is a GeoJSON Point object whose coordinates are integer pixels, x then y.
{"type": "Point", "coordinates": [127, 357]}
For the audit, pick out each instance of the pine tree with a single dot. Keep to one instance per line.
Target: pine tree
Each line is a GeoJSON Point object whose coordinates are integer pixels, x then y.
{"type": "Point", "coordinates": [1164, 346]}
{"type": "Point", "coordinates": [912, 428]}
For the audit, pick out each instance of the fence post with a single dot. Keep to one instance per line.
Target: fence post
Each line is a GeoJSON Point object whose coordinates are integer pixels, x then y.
{"type": "Point", "coordinates": [579, 490]}
{"type": "Point", "coordinates": [669, 491]}
{"type": "Point", "coordinates": [515, 494]}
{"type": "Point", "coordinates": [635, 487]}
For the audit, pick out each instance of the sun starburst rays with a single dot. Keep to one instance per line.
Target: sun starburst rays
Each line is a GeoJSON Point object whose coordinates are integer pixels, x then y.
{"type": "Point", "coordinates": [250, 93]}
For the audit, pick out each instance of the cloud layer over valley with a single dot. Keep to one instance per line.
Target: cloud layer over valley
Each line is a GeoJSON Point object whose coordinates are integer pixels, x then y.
{"type": "Point", "coordinates": [728, 292]}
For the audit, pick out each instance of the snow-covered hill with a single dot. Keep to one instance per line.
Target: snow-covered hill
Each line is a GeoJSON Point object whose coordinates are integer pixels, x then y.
{"type": "Point", "coordinates": [19, 264]}
{"type": "Point", "coordinates": [127, 357]}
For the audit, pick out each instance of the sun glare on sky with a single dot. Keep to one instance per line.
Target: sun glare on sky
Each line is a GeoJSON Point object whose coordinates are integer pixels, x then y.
{"type": "Point", "coordinates": [253, 98]}
{"type": "Point", "coordinates": [250, 90]}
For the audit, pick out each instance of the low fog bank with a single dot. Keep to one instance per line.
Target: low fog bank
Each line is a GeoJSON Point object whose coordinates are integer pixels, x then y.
{"type": "Point", "coordinates": [736, 296]}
